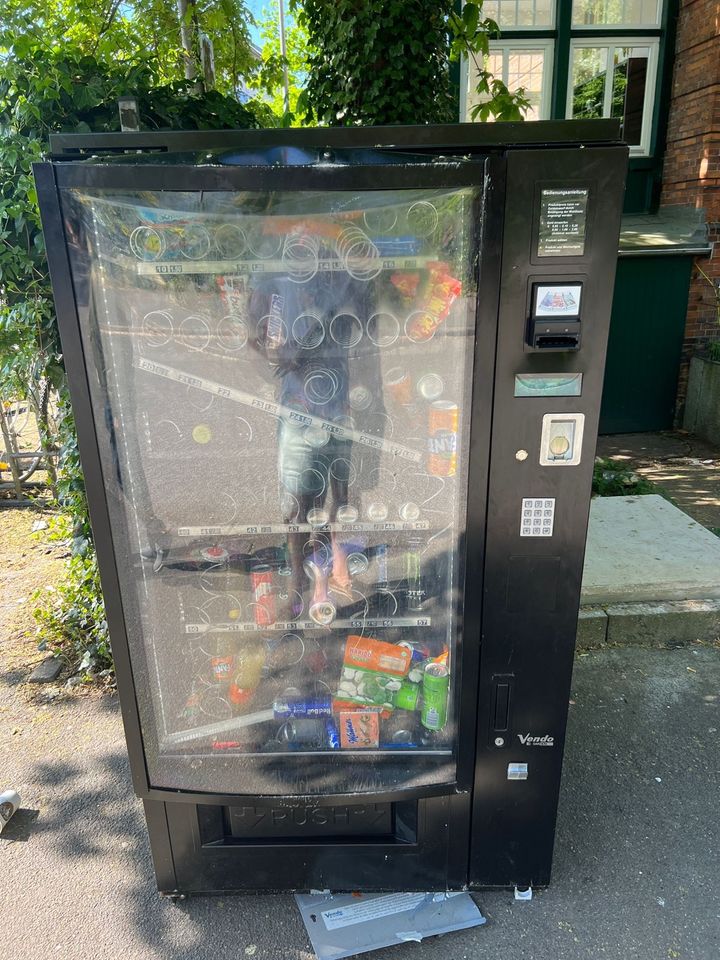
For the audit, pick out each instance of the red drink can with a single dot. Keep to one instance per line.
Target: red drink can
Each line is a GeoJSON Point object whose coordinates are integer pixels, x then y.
{"type": "Point", "coordinates": [442, 440]}
{"type": "Point", "coordinates": [264, 607]}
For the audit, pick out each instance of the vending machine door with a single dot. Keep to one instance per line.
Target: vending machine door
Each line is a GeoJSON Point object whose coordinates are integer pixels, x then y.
{"type": "Point", "coordinates": [280, 356]}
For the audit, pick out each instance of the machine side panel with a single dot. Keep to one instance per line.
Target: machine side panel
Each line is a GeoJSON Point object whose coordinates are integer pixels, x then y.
{"type": "Point", "coordinates": [562, 219]}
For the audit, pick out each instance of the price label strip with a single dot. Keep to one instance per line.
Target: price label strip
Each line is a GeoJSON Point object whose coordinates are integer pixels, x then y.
{"type": "Point", "coordinates": [276, 409]}
{"type": "Point", "coordinates": [242, 530]}
{"type": "Point", "coordinates": [282, 626]}
{"type": "Point", "coordinates": [222, 726]}
{"type": "Point", "coordinates": [176, 267]}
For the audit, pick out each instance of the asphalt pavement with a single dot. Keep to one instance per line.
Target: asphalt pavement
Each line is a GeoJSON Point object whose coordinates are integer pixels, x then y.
{"type": "Point", "coordinates": [636, 861]}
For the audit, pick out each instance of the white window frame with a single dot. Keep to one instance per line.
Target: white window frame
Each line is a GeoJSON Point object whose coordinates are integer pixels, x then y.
{"type": "Point", "coordinates": [526, 27]}
{"type": "Point", "coordinates": [652, 43]}
{"type": "Point", "coordinates": [604, 27]}
{"type": "Point", "coordinates": [546, 44]}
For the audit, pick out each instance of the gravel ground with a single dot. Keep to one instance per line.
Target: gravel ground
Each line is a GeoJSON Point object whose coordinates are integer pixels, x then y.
{"type": "Point", "coordinates": [635, 864]}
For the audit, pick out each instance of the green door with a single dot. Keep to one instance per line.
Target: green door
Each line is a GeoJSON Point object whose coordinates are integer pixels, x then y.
{"type": "Point", "coordinates": [646, 335]}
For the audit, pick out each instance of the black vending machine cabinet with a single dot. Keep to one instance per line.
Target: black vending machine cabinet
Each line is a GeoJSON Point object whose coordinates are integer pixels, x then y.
{"type": "Point", "coordinates": [337, 394]}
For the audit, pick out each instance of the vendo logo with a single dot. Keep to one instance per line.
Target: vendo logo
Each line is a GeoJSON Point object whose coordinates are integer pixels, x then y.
{"type": "Point", "coordinates": [529, 741]}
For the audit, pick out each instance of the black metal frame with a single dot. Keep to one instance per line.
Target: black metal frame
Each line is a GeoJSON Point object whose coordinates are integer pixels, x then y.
{"type": "Point", "coordinates": [51, 180]}
{"type": "Point", "coordinates": [481, 793]}
{"type": "Point", "coordinates": [473, 137]}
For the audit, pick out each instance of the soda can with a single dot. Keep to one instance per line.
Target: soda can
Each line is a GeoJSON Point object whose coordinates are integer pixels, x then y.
{"type": "Point", "coordinates": [9, 804]}
{"type": "Point", "coordinates": [264, 606]}
{"type": "Point", "coordinates": [318, 707]}
{"type": "Point", "coordinates": [430, 387]}
{"type": "Point", "coordinates": [442, 440]}
{"type": "Point", "coordinates": [215, 555]}
{"type": "Point", "coordinates": [221, 668]}
{"type": "Point", "coordinates": [399, 385]}
{"type": "Point", "coordinates": [413, 576]}
{"type": "Point", "coordinates": [409, 512]}
{"type": "Point", "coordinates": [435, 689]}
{"type": "Point", "coordinates": [332, 734]}
{"type": "Point", "coordinates": [420, 653]}
{"type": "Point", "coordinates": [407, 697]}
{"type": "Point", "coordinates": [303, 731]}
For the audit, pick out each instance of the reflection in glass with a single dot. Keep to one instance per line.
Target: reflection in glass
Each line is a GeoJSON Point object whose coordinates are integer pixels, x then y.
{"type": "Point", "coordinates": [286, 396]}
{"type": "Point", "coordinates": [628, 13]}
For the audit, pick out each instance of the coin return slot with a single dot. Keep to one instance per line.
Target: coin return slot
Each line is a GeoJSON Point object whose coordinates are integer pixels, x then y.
{"type": "Point", "coordinates": [561, 440]}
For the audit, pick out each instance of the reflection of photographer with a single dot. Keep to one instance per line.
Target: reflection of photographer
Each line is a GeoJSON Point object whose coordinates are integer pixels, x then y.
{"type": "Point", "coordinates": [312, 333]}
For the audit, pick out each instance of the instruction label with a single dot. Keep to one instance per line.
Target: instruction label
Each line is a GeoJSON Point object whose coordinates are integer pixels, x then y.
{"type": "Point", "coordinates": [563, 218]}
{"type": "Point", "coordinates": [371, 909]}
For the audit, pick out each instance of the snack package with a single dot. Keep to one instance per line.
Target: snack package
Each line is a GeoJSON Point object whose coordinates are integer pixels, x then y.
{"type": "Point", "coordinates": [367, 653]}
{"type": "Point", "coordinates": [359, 729]}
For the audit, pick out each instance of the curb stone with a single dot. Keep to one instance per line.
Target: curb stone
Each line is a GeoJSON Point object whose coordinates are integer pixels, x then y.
{"type": "Point", "coordinates": [671, 623]}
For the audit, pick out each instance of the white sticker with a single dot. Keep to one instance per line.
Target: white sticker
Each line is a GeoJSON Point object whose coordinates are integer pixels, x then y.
{"type": "Point", "coordinates": [371, 909]}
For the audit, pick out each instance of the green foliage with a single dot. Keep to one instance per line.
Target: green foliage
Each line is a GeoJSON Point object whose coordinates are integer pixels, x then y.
{"type": "Point", "coordinates": [68, 90]}
{"type": "Point", "coordinates": [376, 61]}
{"type": "Point", "coordinates": [387, 61]}
{"type": "Point", "coordinates": [470, 37]}
{"type": "Point", "coordinates": [71, 619]}
{"type": "Point", "coordinates": [613, 479]}
{"type": "Point", "coordinates": [270, 76]}
{"type": "Point", "coordinates": [134, 32]}
{"type": "Point", "coordinates": [43, 89]}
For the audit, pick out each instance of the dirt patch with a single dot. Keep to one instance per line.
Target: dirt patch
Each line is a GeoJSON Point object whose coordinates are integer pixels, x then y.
{"type": "Point", "coordinates": [28, 561]}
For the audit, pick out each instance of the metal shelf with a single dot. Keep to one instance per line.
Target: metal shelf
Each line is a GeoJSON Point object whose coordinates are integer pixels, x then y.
{"type": "Point", "coordinates": [288, 626]}
{"type": "Point", "coordinates": [165, 268]}
{"type": "Point", "coordinates": [235, 530]}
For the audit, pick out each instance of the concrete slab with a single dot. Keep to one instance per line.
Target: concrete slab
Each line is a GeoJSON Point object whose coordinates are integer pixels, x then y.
{"type": "Point", "coordinates": [643, 549]}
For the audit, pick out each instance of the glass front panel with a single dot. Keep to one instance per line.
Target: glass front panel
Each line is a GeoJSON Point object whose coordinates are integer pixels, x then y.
{"type": "Point", "coordinates": [281, 384]}
{"type": "Point", "coordinates": [520, 13]}
{"type": "Point", "coordinates": [616, 13]}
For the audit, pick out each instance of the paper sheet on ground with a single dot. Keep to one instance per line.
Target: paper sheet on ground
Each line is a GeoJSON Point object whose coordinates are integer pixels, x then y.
{"type": "Point", "coordinates": [345, 924]}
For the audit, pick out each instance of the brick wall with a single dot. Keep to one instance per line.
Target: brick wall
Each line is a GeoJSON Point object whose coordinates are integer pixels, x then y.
{"type": "Point", "coordinates": [691, 172]}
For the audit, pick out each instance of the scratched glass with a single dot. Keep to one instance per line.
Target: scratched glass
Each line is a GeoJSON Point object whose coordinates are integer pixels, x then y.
{"type": "Point", "coordinates": [282, 404]}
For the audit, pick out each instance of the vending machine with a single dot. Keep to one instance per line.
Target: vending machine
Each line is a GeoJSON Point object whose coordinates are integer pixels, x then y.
{"type": "Point", "coordinates": [337, 394]}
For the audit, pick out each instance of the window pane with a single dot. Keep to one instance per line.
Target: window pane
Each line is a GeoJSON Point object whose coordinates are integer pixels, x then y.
{"type": "Point", "coordinates": [520, 13]}
{"type": "Point", "coordinates": [630, 13]}
{"type": "Point", "coordinates": [628, 93]}
{"type": "Point", "coordinates": [589, 65]}
{"type": "Point", "coordinates": [517, 67]}
{"type": "Point", "coordinates": [526, 69]}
